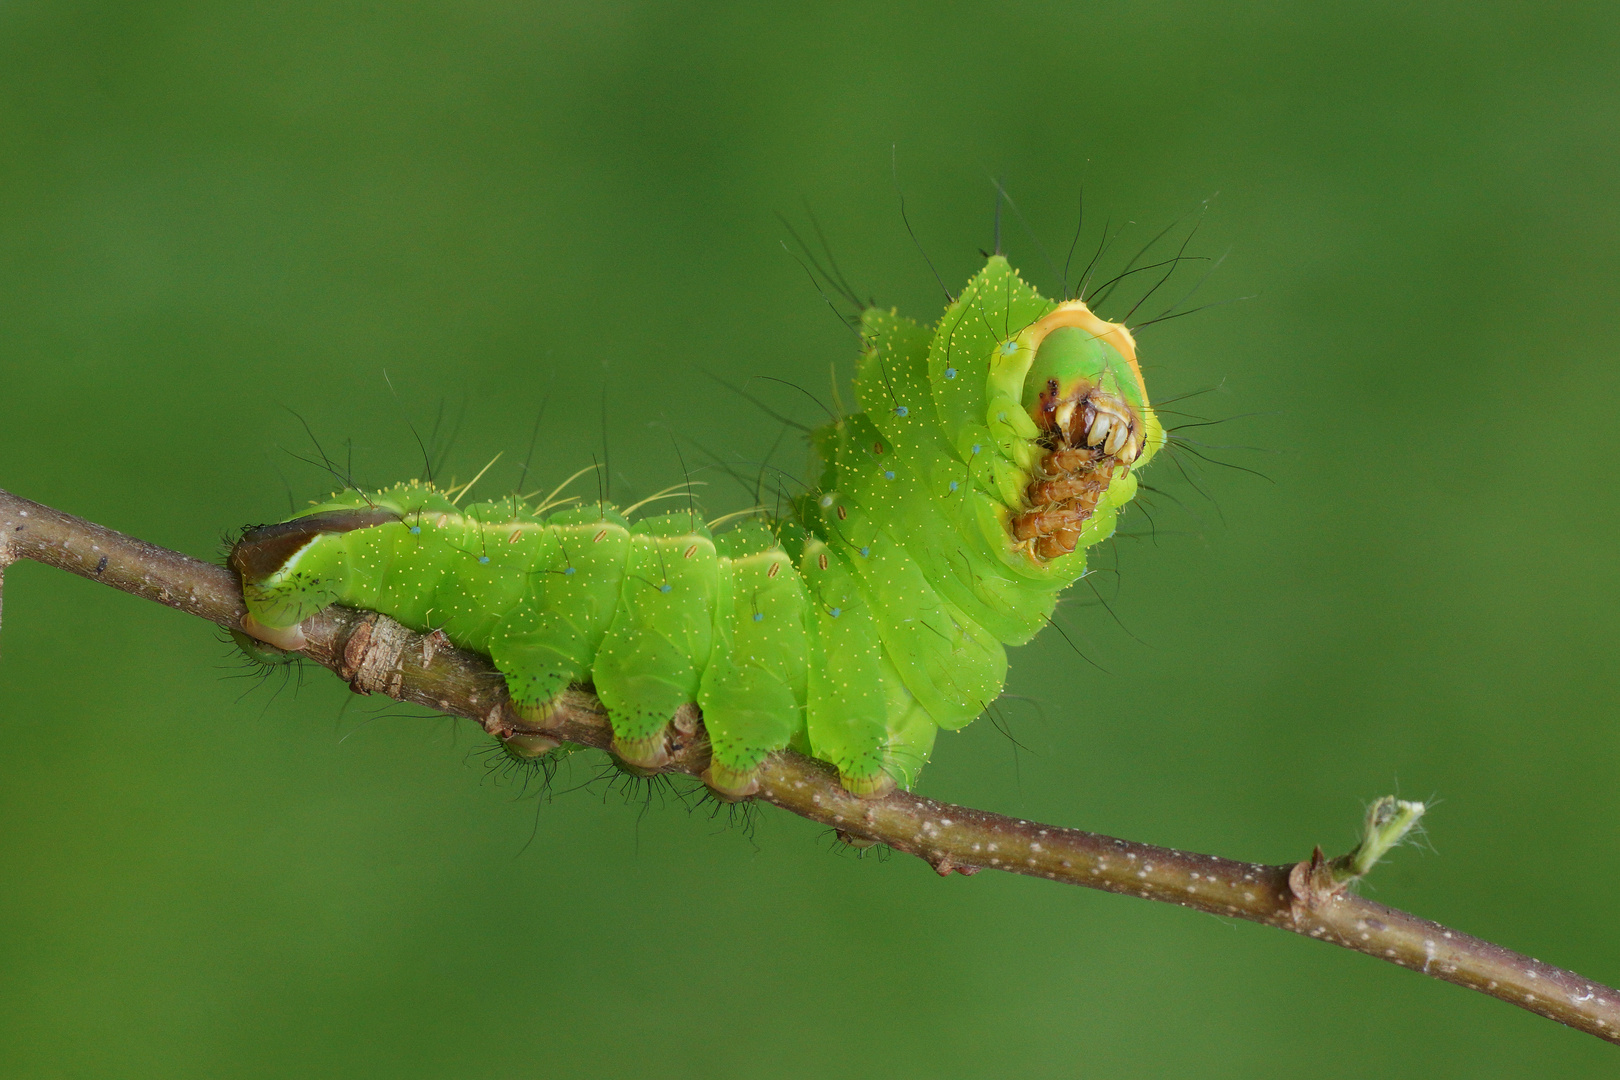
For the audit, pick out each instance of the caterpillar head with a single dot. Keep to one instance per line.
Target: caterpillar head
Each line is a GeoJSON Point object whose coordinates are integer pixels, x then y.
{"type": "Point", "coordinates": [1084, 392]}
{"type": "Point", "coordinates": [1084, 388]}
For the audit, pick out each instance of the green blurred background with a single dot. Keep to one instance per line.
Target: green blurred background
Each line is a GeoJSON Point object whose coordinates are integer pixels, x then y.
{"type": "Point", "coordinates": [211, 213]}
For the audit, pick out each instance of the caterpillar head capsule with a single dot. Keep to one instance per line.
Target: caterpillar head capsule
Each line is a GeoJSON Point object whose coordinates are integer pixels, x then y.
{"type": "Point", "coordinates": [1085, 394]}
{"type": "Point", "coordinates": [1084, 382]}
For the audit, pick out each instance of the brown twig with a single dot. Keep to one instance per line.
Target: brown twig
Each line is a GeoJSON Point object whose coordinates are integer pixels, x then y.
{"type": "Point", "coordinates": [1312, 898]}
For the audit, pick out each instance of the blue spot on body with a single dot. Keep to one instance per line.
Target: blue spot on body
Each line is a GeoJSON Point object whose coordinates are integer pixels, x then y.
{"type": "Point", "coordinates": [866, 551]}
{"type": "Point", "coordinates": [758, 616]}
{"type": "Point", "coordinates": [975, 448]}
{"type": "Point", "coordinates": [1010, 347]}
{"type": "Point", "coordinates": [835, 612]}
{"type": "Point", "coordinates": [570, 570]}
{"type": "Point", "coordinates": [416, 530]}
{"type": "Point", "coordinates": [483, 558]}
{"type": "Point", "coordinates": [950, 373]}
{"type": "Point", "coordinates": [901, 410]}
{"type": "Point", "coordinates": [953, 485]}
{"type": "Point", "coordinates": [888, 474]}
{"type": "Point", "coordinates": [663, 588]}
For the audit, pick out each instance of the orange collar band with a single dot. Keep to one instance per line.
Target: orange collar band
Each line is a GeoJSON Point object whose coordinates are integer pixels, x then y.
{"type": "Point", "coordinates": [1075, 313]}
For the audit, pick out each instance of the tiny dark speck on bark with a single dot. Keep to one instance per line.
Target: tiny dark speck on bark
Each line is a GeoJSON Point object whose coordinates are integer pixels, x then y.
{"type": "Point", "coordinates": [101, 564]}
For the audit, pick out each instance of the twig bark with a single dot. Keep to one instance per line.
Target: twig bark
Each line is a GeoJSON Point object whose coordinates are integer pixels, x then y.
{"type": "Point", "coordinates": [1311, 898]}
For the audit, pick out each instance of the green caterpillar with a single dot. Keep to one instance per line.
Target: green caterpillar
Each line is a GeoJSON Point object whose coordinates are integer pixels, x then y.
{"type": "Point", "coordinates": [942, 521]}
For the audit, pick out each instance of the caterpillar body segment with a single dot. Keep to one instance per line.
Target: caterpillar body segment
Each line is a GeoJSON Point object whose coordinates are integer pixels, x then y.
{"type": "Point", "coordinates": [754, 688]}
{"type": "Point", "coordinates": [896, 460]}
{"type": "Point", "coordinates": [949, 663]}
{"type": "Point", "coordinates": [945, 518]}
{"type": "Point", "coordinates": [847, 712]}
{"type": "Point", "coordinates": [652, 660]}
{"type": "Point", "coordinates": [551, 639]}
{"type": "Point", "coordinates": [994, 307]}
